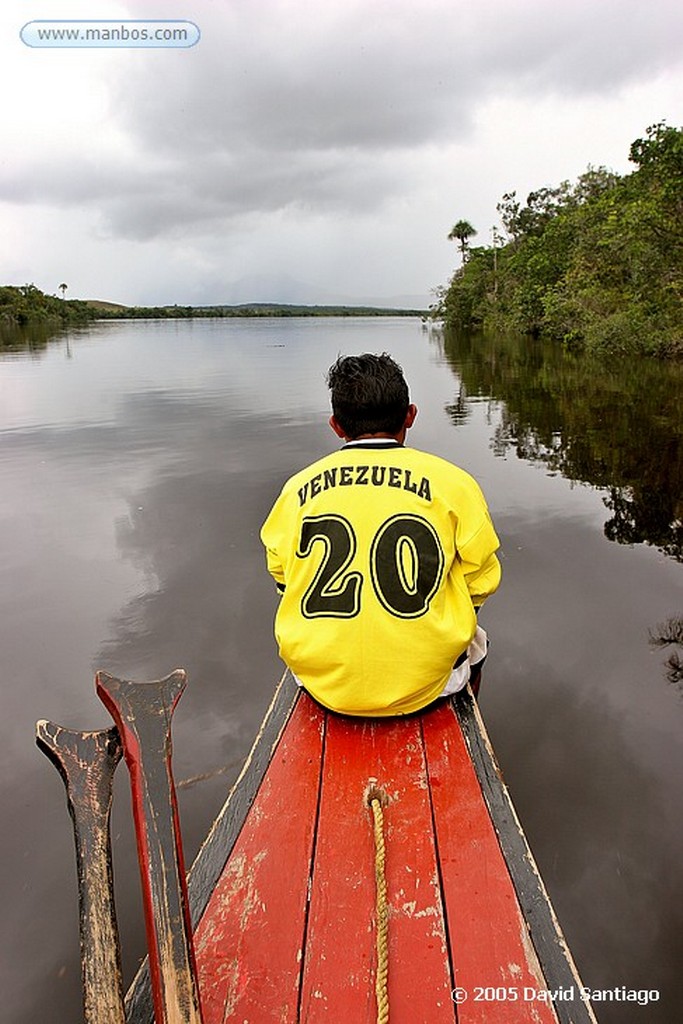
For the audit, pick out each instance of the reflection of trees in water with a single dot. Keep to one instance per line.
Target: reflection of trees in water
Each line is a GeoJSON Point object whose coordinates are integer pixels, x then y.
{"type": "Point", "coordinates": [32, 337]}
{"type": "Point", "coordinates": [527, 443]}
{"type": "Point", "coordinates": [668, 634]}
{"type": "Point", "coordinates": [459, 410]}
{"type": "Point", "coordinates": [615, 424]}
{"type": "Point", "coordinates": [644, 517]}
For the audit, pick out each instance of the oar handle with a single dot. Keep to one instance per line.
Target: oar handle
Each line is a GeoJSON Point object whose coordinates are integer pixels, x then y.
{"type": "Point", "coordinates": [87, 761]}
{"type": "Point", "coordinates": [142, 712]}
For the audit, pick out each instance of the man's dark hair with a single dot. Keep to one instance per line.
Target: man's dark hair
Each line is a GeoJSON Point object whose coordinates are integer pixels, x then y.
{"type": "Point", "coordinates": [369, 394]}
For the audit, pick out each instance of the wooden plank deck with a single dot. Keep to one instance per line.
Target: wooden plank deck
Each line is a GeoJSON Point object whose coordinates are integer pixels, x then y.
{"type": "Point", "coordinates": [249, 940]}
{"type": "Point", "coordinates": [283, 891]}
{"type": "Point", "coordinates": [490, 944]}
{"type": "Point", "coordinates": [339, 960]}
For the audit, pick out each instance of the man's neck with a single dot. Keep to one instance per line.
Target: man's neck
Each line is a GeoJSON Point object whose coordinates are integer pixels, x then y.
{"type": "Point", "coordinates": [398, 438]}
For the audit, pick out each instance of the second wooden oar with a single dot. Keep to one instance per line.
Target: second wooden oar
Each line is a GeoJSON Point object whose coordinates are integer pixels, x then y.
{"type": "Point", "coordinates": [142, 712]}
{"type": "Point", "coordinates": [87, 761]}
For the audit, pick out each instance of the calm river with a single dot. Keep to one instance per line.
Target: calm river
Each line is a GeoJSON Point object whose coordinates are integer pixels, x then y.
{"type": "Point", "coordinates": [138, 461]}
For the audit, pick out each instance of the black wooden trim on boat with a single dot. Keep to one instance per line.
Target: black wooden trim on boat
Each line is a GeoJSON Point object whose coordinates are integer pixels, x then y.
{"type": "Point", "coordinates": [546, 935]}
{"type": "Point", "coordinates": [217, 846]}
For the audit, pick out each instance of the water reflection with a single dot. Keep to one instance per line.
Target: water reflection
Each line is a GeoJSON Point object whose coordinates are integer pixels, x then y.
{"type": "Point", "coordinates": [615, 424]}
{"type": "Point", "coordinates": [669, 634]}
{"type": "Point", "coordinates": [595, 824]}
{"type": "Point", "coordinates": [33, 337]}
{"type": "Point", "coordinates": [135, 479]}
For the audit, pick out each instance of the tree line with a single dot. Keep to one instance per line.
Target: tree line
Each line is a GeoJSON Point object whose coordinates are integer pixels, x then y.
{"type": "Point", "coordinates": [28, 305]}
{"type": "Point", "coordinates": [256, 309]}
{"type": "Point", "coordinates": [597, 263]}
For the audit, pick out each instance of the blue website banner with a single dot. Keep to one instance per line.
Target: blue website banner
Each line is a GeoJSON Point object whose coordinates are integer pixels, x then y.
{"type": "Point", "coordinates": [101, 33]}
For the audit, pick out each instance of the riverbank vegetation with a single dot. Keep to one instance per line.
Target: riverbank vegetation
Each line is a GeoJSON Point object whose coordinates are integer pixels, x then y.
{"type": "Point", "coordinates": [597, 264]}
{"type": "Point", "coordinates": [28, 306]}
{"type": "Point", "coordinates": [254, 309]}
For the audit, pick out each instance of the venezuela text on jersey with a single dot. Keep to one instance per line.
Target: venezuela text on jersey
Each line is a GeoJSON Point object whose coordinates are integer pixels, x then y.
{"type": "Point", "coordinates": [358, 476]}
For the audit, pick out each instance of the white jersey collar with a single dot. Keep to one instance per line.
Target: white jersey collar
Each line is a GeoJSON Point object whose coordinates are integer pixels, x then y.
{"type": "Point", "coordinates": [373, 442]}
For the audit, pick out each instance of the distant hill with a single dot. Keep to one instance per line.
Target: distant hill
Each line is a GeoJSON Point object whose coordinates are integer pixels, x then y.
{"type": "Point", "coordinates": [99, 304]}
{"type": "Point", "coordinates": [26, 304]}
{"type": "Point", "coordinates": [115, 311]}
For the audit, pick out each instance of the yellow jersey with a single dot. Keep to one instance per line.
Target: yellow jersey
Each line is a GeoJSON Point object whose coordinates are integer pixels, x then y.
{"type": "Point", "coordinates": [382, 553]}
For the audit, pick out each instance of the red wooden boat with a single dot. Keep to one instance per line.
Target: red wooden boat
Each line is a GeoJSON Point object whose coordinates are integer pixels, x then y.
{"type": "Point", "coordinates": [283, 890]}
{"type": "Point", "coordinates": [368, 870]}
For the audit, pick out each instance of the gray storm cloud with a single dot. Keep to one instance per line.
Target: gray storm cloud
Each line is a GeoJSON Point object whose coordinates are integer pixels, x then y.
{"type": "Point", "coordinates": [323, 107]}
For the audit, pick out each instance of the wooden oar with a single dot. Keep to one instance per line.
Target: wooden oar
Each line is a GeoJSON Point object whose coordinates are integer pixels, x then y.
{"type": "Point", "coordinates": [87, 761]}
{"type": "Point", "coordinates": [142, 712]}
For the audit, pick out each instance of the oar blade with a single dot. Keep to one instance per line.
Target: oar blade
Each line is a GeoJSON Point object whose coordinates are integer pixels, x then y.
{"type": "Point", "coordinates": [143, 712]}
{"type": "Point", "coordinates": [86, 762]}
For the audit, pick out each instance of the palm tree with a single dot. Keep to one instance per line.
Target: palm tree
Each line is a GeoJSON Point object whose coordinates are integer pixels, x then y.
{"type": "Point", "coordinates": [462, 231]}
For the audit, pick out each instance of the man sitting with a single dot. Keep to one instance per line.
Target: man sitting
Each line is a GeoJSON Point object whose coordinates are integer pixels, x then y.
{"type": "Point", "coordinates": [383, 555]}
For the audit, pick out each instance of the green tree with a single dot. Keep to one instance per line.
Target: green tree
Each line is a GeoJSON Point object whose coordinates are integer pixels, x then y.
{"type": "Point", "coordinates": [28, 305]}
{"type": "Point", "coordinates": [597, 263]}
{"type": "Point", "coordinates": [462, 230]}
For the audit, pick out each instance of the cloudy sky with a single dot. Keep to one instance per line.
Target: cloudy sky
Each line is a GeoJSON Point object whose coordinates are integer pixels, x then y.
{"type": "Point", "coordinates": [309, 151]}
